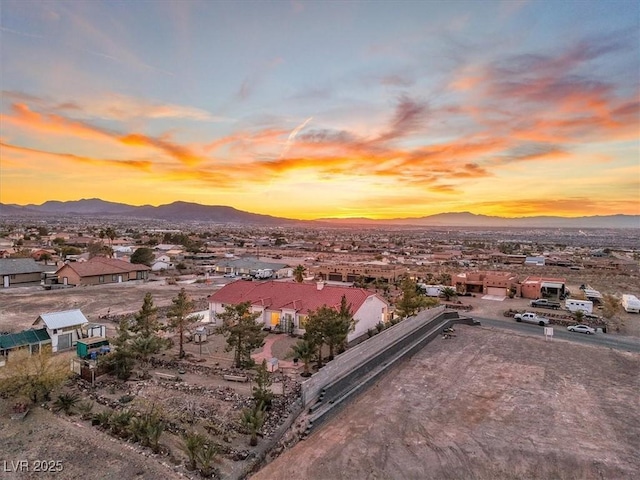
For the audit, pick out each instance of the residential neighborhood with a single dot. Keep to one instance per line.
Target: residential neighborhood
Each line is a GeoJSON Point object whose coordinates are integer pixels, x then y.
{"type": "Point", "coordinates": [216, 308]}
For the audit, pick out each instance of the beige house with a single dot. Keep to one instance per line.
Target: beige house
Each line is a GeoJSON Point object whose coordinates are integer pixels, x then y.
{"type": "Point", "coordinates": [100, 270]}
{"type": "Point", "coordinates": [486, 282]}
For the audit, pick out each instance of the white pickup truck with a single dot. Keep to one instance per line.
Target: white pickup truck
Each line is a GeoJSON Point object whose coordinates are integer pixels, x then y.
{"type": "Point", "coordinates": [531, 318]}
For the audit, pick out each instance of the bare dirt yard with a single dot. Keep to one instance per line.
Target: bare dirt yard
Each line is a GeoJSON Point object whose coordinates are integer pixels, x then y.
{"type": "Point", "coordinates": [484, 405]}
{"type": "Point", "coordinates": [19, 307]}
{"type": "Point", "coordinates": [84, 452]}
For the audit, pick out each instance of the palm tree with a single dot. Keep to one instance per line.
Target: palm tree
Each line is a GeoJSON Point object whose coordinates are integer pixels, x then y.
{"type": "Point", "coordinates": [111, 234]}
{"type": "Point", "coordinates": [449, 293]}
{"type": "Point", "coordinates": [579, 315]}
{"type": "Point", "coordinates": [304, 350]}
{"type": "Point", "coordinates": [298, 273]}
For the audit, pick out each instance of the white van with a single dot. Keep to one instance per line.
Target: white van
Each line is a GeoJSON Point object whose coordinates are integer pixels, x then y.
{"type": "Point", "coordinates": [630, 303]}
{"type": "Point", "coordinates": [574, 305]}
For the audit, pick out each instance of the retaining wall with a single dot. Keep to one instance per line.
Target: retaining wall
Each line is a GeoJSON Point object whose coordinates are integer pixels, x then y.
{"type": "Point", "coordinates": [351, 379]}
{"type": "Point", "coordinates": [362, 353]}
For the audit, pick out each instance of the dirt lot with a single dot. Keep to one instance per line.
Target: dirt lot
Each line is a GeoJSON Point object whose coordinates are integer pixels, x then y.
{"type": "Point", "coordinates": [19, 307]}
{"type": "Point", "coordinates": [484, 405]}
{"type": "Point", "coordinates": [84, 451]}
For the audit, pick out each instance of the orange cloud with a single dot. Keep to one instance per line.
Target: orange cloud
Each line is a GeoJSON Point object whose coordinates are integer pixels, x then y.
{"type": "Point", "coordinates": [39, 155]}
{"type": "Point", "coordinates": [26, 119]}
{"type": "Point", "coordinates": [179, 152]}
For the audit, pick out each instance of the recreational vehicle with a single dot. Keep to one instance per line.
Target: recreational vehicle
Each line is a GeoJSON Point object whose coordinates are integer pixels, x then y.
{"type": "Point", "coordinates": [574, 305]}
{"type": "Point", "coordinates": [630, 303]}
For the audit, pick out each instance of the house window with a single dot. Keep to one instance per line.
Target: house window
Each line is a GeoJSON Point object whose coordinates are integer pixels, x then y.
{"type": "Point", "coordinates": [275, 318]}
{"type": "Point", "coordinates": [101, 279]}
{"type": "Point", "coordinates": [302, 321]}
{"type": "Point", "coordinates": [114, 278]}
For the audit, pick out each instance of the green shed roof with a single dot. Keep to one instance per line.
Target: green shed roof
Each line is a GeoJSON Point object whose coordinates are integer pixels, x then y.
{"type": "Point", "coordinates": [21, 339]}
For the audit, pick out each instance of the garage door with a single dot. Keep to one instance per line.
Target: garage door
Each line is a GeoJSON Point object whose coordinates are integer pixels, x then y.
{"type": "Point", "coordinates": [64, 341]}
{"type": "Point", "coordinates": [496, 291]}
{"type": "Point", "coordinates": [335, 277]}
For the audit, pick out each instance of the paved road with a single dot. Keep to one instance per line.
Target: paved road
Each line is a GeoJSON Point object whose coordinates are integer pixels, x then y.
{"type": "Point", "coordinates": [619, 342]}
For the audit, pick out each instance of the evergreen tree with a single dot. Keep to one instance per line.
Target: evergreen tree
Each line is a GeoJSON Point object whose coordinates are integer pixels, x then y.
{"type": "Point", "coordinates": [179, 318]}
{"type": "Point", "coordinates": [410, 303]}
{"type": "Point", "coordinates": [143, 255]}
{"type": "Point", "coordinates": [242, 332]}
{"type": "Point", "coordinates": [146, 320]}
{"type": "Point", "coordinates": [318, 323]}
{"type": "Point", "coordinates": [122, 359]}
{"type": "Point", "coordinates": [262, 394]}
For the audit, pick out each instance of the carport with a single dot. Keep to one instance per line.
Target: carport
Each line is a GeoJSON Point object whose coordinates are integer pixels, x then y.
{"type": "Point", "coordinates": [552, 290]}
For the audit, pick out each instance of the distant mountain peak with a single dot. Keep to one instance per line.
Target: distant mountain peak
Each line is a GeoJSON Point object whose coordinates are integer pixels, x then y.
{"type": "Point", "coordinates": [182, 210]}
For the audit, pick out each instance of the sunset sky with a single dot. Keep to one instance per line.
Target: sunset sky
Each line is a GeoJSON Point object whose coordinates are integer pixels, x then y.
{"type": "Point", "coordinates": [307, 109]}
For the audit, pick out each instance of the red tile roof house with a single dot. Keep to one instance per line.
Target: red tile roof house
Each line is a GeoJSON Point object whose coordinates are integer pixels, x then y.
{"type": "Point", "coordinates": [101, 270]}
{"type": "Point", "coordinates": [288, 304]}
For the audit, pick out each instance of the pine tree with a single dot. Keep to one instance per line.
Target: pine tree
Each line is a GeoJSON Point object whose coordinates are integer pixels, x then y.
{"type": "Point", "coordinates": [242, 332]}
{"type": "Point", "coordinates": [179, 317]}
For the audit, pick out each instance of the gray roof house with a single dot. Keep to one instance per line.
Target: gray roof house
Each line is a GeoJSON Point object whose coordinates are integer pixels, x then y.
{"type": "Point", "coordinates": [16, 272]}
{"type": "Point", "coordinates": [64, 328]}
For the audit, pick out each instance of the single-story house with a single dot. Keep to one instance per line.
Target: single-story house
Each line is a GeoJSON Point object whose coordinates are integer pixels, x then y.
{"type": "Point", "coordinates": [535, 261]}
{"type": "Point", "coordinates": [286, 305]}
{"type": "Point", "coordinates": [249, 266]}
{"type": "Point", "coordinates": [16, 272]}
{"type": "Point", "coordinates": [64, 328]}
{"type": "Point", "coordinates": [486, 282]}
{"type": "Point", "coordinates": [101, 270]}
{"type": "Point", "coordinates": [543, 287]}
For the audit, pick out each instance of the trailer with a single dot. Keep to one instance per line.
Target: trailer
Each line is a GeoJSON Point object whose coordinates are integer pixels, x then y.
{"type": "Point", "coordinates": [585, 306]}
{"type": "Point", "coordinates": [630, 303]}
{"type": "Point", "coordinates": [431, 290]}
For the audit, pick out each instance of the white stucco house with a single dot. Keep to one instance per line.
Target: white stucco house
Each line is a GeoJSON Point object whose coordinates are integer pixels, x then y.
{"type": "Point", "coordinates": [286, 305]}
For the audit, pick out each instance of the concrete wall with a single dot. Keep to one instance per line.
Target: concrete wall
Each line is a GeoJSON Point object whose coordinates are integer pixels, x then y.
{"type": "Point", "coordinates": [339, 391]}
{"type": "Point", "coordinates": [359, 355]}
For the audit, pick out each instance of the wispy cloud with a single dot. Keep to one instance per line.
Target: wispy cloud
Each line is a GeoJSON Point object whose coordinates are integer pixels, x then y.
{"type": "Point", "coordinates": [113, 106]}
{"type": "Point", "coordinates": [43, 156]}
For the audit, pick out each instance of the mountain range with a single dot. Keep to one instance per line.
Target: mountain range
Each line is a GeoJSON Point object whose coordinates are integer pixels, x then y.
{"type": "Point", "coordinates": [181, 211]}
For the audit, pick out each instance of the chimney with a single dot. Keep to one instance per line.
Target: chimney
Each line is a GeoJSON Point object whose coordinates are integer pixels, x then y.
{"type": "Point", "coordinates": [320, 285]}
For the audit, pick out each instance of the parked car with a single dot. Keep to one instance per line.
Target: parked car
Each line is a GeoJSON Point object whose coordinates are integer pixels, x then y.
{"type": "Point", "coordinates": [581, 329]}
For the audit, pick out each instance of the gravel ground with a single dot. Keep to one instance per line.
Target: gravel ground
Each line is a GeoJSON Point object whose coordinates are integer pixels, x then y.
{"type": "Point", "coordinates": [484, 405]}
